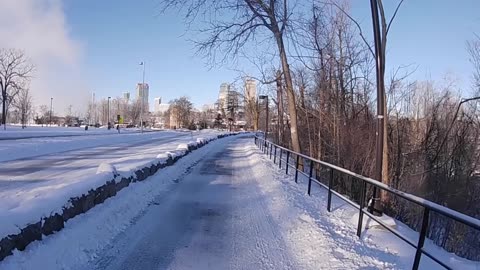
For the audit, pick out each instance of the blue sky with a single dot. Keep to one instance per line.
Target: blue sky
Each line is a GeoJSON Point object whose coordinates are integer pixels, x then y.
{"type": "Point", "coordinates": [115, 36]}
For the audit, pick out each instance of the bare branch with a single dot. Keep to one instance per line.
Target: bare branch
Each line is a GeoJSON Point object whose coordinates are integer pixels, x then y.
{"type": "Point", "coordinates": [394, 14]}
{"type": "Point", "coordinates": [356, 23]}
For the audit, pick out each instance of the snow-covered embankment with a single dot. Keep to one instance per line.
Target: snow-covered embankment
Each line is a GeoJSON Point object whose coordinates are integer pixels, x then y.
{"type": "Point", "coordinates": [106, 183]}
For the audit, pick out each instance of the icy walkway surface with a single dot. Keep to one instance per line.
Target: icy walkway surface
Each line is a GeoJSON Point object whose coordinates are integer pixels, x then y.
{"type": "Point", "coordinates": [224, 206]}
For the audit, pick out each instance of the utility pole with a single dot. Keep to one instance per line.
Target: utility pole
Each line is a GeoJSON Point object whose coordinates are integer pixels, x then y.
{"type": "Point", "coordinates": [108, 112]}
{"type": "Point", "coordinates": [143, 94]}
{"type": "Point", "coordinates": [375, 206]}
{"type": "Point", "coordinates": [95, 116]}
{"type": "Point", "coordinates": [51, 108]}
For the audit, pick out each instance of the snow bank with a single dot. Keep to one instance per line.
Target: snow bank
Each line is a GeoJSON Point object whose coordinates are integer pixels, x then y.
{"type": "Point", "coordinates": [107, 168]}
{"type": "Point", "coordinates": [183, 147]}
{"type": "Point", "coordinates": [340, 225]}
{"type": "Point", "coordinates": [84, 235]}
{"type": "Point", "coordinates": [163, 157]}
{"type": "Point", "coordinates": [45, 208]}
{"type": "Point", "coordinates": [45, 202]}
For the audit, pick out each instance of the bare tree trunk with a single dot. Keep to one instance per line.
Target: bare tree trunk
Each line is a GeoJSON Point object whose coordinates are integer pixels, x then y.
{"type": "Point", "coordinates": [280, 108]}
{"type": "Point", "coordinates": [292, 108]}
{"type": "Point", "coordinates": [4, 110]}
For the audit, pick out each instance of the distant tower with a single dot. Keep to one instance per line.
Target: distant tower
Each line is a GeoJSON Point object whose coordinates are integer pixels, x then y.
{"type": "Point", "coordinates": [250, 90]}
{"type": "Point", "coordinates": [156, 104]}
{"type": "Point", "coordinates": [126, 96]}
{"type": "Point", "coordinates": [142, 93]}
{"type": "Point", "coordinates": [223, 96]}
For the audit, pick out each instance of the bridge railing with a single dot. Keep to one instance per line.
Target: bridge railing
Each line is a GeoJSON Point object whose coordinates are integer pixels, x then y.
{"type": "Point", "coordinates": [293, 160]}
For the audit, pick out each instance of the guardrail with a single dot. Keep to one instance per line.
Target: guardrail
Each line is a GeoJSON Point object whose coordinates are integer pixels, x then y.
{"type": "Point", "coordinates": [287, 156]}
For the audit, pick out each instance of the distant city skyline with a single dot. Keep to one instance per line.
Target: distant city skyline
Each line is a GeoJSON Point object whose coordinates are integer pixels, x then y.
{"type": "Point", "coordinates": [84, 54]}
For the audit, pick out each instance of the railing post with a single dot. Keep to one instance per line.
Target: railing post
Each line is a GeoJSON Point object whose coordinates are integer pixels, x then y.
{"type": "Point", "coordinates": [310, 177]}
{"type": "Point", "coordinates": [330, 182]}
{"type": "Point", "coordinates": [421, 238]}
{"type": "Point", "coordinates": [362, 205]}
{"type": "Point", "coordinates": [275, 154]}
{"type": "Point", "coordinates": [297, 162]}
{"type": "Point", "coordinates": [286, 166]}
{"type": "Point", "coordinates": [270, 151]}
{"type": "Point", "coordinates": [280, 159]}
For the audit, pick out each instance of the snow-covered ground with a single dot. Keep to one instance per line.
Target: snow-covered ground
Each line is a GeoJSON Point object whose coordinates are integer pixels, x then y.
{"type": "Point", "coordinates": [225, 206]}
{"type": "Point", "coordinates": [16, 131]}
{"type": "Point", "coordinates": [38, 176]}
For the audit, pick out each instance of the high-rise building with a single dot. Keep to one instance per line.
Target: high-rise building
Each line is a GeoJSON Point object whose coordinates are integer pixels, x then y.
{"type": "Point", "coordinates": [250, 90]}
{"type": "Point", "coordinates": [159, 107]}
{"type": "Point", "coordinates": [158, 100]}
{"type": "Point", "coordinates": [223, 96]}
{"type": "Point", "coordinates": [156, 104]}
{"type": "Point", "coordinates": [142, 94]}
{"type": "Point", "coordinates": [126, 96]}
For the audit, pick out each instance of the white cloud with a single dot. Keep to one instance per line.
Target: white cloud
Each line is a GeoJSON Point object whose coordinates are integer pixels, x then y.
{"type": "Point", "coordinates": [39, 28]}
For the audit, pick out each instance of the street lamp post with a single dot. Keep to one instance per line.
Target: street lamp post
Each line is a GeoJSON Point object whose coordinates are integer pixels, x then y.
{"type": "Point", "coordinates": [143, 94]}
{"type": "Point", "coordinates": [51, 108]}
{"type": "Point", "coordinates": [108, 112]}
{"type": "Point", "coordinates": [94, 111]}
{"type": "Point", "coordinates": [375, 206]}
{"type": "Point", "coordinates": [266, 120]}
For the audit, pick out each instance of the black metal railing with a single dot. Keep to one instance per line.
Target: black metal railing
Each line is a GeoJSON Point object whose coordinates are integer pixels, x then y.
{"type": "Point", "coordinates": [293, 160]}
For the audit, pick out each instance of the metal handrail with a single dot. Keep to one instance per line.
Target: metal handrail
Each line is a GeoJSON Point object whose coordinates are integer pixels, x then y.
{"type": "Point", "coordinates": [428, 206]}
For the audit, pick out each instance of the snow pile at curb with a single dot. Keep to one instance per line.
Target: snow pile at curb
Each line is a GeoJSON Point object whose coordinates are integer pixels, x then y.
{"type": "Point", "coordinates": [183, 147]}
{"type": "Point", "coordinates": [50, 211]}
{"type": "Point", "coordinates": [107, 168]}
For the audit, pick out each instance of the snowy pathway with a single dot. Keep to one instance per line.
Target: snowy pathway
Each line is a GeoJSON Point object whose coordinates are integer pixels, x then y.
{"type": "Point", "coordinates": [221, 207]}
{"type": "Point", "coordinates": [216, 218]}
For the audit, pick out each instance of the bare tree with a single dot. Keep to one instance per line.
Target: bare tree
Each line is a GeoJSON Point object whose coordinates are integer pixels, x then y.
{"type": "Point", "coordinates": [229, 34]}
{"type": "Point", "coordinates": [473, 48]}
{"type": "Point", "coordinates": [181, 111]}
{"type": "Point", "coordinates": [15, 72]}
{"type": "Point", "coordinates": [133, 112]}
{"type": "Point", "coordinates": [43, 115]}
{"type": "Point", "coordinates": [381, 27]}
{"type": "Point", "coordinates": [23, 103]}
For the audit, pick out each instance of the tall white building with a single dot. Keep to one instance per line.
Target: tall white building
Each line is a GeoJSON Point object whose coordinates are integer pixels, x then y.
{"type": "Point", "coordinates": [250, 90]}
{"type": "Point", "coordinates": [126, 96]}
{"type": "Point", "coordinates": [159, 107]}
{"type": "Point", "coordinates": [223, 96]}
{"type": "Point", "coordinates": [142, 94]}
{"type": "Point", "coordinates": [156, 103]}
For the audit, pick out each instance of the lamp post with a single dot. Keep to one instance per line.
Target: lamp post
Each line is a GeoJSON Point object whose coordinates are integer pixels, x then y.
{"type": "Point", "coordinates": [51, 108]}
{"type": "Point", "coordinates": [376, 207]}
{"type": "Point", "coordinates": [266, 120]}
{"type": "Point", "coordinates": [143, 94]}
{"type": "Point", "coordinates": [94, 111]}
{"type": "Point", "coordinates": [108, 112]}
